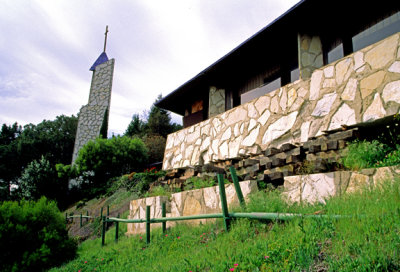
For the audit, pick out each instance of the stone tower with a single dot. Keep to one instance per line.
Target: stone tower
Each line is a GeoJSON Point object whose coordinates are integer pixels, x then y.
{"type": "Point", "coordinates": [93, 117]}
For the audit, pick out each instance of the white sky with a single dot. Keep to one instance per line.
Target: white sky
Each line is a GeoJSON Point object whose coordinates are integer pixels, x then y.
{"type": "Point", "coordinates": [48, 46]}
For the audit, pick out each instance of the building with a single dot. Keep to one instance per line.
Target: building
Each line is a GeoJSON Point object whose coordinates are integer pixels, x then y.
{"type": "Point", "coordinates": [93, 117]}
{"type": "Point", "coordinates": [319, 66]}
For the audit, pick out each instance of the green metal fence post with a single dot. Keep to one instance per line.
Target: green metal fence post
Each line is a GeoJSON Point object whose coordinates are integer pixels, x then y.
{"type": "Point", "coordinates": [237, 187]}
{"type": "Point", "coordinates": [87, 214]}
{"type": "Point", "coordinates": [163, 214]}
{"type": "Point", "coordinates": [103, 231]}
{"type": "Point", "coordinates": [80, 222]}
{"type": "Point", "coordinates": [116, 229]}
{"type": "Point", "coordinates": [66, 218]}
{"type": "Point", "coordinates": [101, 212]}
{"type": "Point", "coordinates": [224, 205]}
{"type": "Point", "coordinates": [108, 214]}
{"type": "Point", "coordinates": [148, 224]}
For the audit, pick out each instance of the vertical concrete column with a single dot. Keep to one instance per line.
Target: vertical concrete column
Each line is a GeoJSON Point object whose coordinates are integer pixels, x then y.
{"type": "Point", "coordinates": [216, 101]}
{"type": "Point", "coordinates": [310, 54]}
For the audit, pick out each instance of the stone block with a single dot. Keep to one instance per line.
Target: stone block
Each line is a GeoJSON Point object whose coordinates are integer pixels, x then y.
{"type": "Point", "coordinates": [271, 151]}
{"type": "Point", "coordinates": [314, 148]}
{"type": "Point", "coordinates": [275, 176]}
{"type": "Point", "coordinates": [278, 162]}
{"type": "Point", "coordinates": [212, 168]}
{"type": "Point", "coordinates": [332, 145]}
{"type": "Point", "coordinates": [250, 162]}
{"type": "Point", "coordinates": [286, 147]}
{"type": "Point", "coordinates": [294, 158]}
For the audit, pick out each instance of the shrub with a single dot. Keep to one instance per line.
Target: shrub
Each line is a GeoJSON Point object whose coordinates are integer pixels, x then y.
{"type": "Point", "coordinates": [103, 159]}
{"type": "Point", "coordinates": [198, 183]}
{"type": "Point", "coordinates": [364, 154]}
{"type": "Point", "coordinates": [156, 146]}
{"type": "Point", "coordinates": [138, 183]}
{"type": "Point", "coordinates": [40, 179]}
{"type": "Point", "coordinates": [33, 236]}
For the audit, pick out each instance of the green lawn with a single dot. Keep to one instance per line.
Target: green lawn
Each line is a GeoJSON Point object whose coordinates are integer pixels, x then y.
{"type": "Point", "coordinates": [369, 240]}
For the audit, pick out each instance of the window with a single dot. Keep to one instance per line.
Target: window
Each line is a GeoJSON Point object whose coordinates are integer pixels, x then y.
{"type": "Point", "coordinates": [377, 32]}
{"type": "Point", "coordinates": [335, 53]}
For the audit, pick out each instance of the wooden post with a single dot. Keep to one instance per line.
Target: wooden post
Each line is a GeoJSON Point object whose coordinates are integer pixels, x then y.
{"type": "Point", "coordinates": [237, 187]}
{"type": "Point", "coordinates": [116, 229]}
{"type": "Point", "coordinates": [163, 214]}
{"type": "Point", "coordinates": [224, 204]}
{"type": "Point", "coordinates": [148, 224]}
{"type": "Point", "coordinates": [103, 231]}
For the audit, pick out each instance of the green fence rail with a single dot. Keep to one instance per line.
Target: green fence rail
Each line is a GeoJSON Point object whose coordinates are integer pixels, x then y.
{"type": "Point", "coordinates": [225, 215]}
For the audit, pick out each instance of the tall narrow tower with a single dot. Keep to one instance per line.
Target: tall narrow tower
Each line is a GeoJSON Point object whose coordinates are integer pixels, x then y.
{"type": "Point", "coordinates": [93, 117]}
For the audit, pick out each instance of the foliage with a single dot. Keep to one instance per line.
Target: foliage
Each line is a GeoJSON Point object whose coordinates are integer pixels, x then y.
{"type": "Point", "coordinates": [18, 147]}
{"type": "Point", "coordinates": [158, 190]}
{"type": "Point", "coordinates": [10, 167]}
{"type": "Point", "coordinates": [156, 146]}
{"type": "Point", "coordinates": [136, 127]}
{"type": "Point", "coordinates": [364, 154]}
{"type": "Point", "coordinates": [52, 139]}
{"type": "Point", "coordinates": [138, 183]}
{"type": "Point", "coordinates": [153, 130]}
{"type": "Point", "coordinates": [104, 159]}
{"type": "Point", "coordinates": [39, 178]}
{"type": "Point", "coordinates": [33, 236]}
{"type": "Point", "coordinates": [104, 125]}
{"type": "Point", "coordinates": [390, 134]}
{"type": "Point", "coordinates": [367, 240]}
{"type": "Point", "coordinates": [198, 183]}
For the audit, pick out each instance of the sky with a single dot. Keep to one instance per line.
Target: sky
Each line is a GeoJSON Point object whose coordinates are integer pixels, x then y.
{"type": "Point", "coordinates": [48, 46]}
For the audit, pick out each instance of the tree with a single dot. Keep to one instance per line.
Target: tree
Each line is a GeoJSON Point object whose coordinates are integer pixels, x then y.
{"type": "Point", "coordinates": [153, 131]}
{"type": "Point", "coordinates": [18, 147]}
{"type": "Point", "coordinates": [159, 120]}
{"type": "Point", "coordinates": [39, 179]}
{"type": "Point", "coordinates": [136, 127]}
{"type": "Point", "coordinates": [52, 139]}
{"type": "Point", "coordinates": [156, 146]}
{"type": "Point", "coordinates": [10, 168]}
{"type": "Point", "coordinates": [103, 159]}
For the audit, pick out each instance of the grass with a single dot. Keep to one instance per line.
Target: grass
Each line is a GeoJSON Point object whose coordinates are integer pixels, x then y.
{"type": "Point", "coordinates": [367, 241]}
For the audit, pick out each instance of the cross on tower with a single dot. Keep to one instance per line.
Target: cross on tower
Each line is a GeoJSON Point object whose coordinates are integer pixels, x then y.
{"type": "Point", "coordinates": [105, 39]}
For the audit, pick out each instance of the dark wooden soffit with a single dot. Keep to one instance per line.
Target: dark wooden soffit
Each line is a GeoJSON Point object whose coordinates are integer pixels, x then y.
{"type": "Point", "coordinates": [278, 41]}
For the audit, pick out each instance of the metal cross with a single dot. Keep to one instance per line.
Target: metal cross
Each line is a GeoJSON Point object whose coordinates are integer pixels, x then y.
{"type": "Point", "coordinates": [105, 39]}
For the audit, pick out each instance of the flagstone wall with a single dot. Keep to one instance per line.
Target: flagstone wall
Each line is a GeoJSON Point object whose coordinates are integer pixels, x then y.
{"type": "Point", "coordinates": [361, 87]}
{"type": "Point", "coordinates": [319, 187]}
{"type": "Point", "coordinates": [193, 202]}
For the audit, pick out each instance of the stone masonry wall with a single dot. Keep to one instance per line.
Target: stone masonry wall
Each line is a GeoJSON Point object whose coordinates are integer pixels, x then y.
{"type": "Point", "coordinates": [361, 87]}
{"type": "Point", "coordinates": [216, 101]}
{"type": "Point", "coordinates": [91, 116]}
{"type": "Point", "coordinates": [310, 55]}
{"type": "Point", "coordinates": [319, 187]}
{"type": "Point", "coordinates": [194, 202]}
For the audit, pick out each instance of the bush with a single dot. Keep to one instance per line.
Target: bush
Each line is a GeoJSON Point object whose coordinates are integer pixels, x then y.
{"type": "Point", "coordinates": [103, 159]}
{"type": "Point", "coordinates": [138, 183]}
{"type": "Point", "coordinates": [40, 179]}
{"type": "Point", "coordinates": [156, 146]}
{"type": "Point", "coordinates": [364, 154]}
{"type": "Point", "coordinates": [198, 183]}
{"type": "Point", "coordinates": [33, 236]}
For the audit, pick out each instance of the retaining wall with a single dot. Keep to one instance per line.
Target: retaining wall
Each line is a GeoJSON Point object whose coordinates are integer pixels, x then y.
{"type": "Point", "coordinates": [361, 87]}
